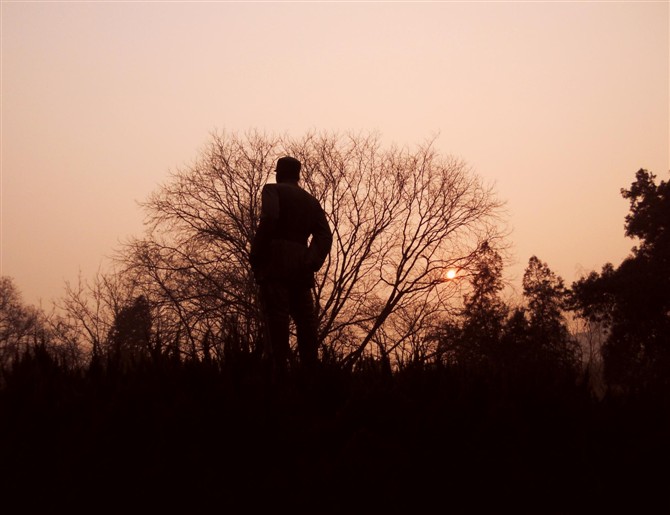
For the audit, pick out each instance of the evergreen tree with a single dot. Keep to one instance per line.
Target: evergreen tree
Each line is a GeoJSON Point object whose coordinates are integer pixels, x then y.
{"type": "Point", "coordinates": [476, 338]}
{"type": "Point", "coordinates": [129, 339]}
{"type": "Point", "coordinates": [484, 311]}
{"type": "Point", "coordinates": [633, 300]}
{"type": "Point", "coordinates": [545, 295]}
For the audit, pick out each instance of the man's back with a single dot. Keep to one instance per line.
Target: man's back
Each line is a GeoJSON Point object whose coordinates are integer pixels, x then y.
{"type": "Point", "coordinates": [299, 212]}
{"type": "Point", "coordinates": [289, 216]}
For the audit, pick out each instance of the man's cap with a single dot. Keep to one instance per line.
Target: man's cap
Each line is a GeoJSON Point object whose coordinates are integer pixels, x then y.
{"type": "Point", "coordinates": [289, 166]}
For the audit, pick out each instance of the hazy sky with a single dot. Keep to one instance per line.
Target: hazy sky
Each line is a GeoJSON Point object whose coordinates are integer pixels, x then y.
{"type": "Point", "coordinates": [556, 103]}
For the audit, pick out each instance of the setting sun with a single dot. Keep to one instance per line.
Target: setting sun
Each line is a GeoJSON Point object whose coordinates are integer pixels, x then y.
{"type": "Point", "coordinates": [451, 273]}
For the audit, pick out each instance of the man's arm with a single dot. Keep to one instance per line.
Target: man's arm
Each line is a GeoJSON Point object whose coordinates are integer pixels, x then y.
{"type": "Point", "coordinates": [322, 241]}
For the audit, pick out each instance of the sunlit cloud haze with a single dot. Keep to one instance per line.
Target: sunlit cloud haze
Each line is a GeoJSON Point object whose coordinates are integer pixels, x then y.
{"type": "Point", "coordinates": [556, 104]}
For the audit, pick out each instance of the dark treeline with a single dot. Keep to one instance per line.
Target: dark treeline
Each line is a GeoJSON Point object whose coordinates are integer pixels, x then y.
{"type": "Point", "coordinates": [147, 389]}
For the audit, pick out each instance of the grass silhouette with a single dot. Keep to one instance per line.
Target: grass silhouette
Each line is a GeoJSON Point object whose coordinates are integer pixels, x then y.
{"type": "Point", "coordinates": [195, 437]}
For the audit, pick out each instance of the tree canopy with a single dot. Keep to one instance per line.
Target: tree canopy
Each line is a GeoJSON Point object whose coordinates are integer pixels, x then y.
{"type": "Point", "coordinates": [633, 299]}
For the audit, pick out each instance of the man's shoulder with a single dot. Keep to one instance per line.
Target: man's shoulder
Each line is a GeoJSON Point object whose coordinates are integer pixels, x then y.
{"type": "Point", "coordinates": [270, 187]}
{"type": "Point", "coordinates": [295, 190]}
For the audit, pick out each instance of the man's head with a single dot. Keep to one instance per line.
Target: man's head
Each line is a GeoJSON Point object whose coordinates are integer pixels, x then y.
{"type": "Point", "coordinates": [288, 169]}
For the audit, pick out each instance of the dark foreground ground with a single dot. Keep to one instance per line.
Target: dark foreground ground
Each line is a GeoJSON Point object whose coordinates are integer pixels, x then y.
{"type": "Point", "coordinates": [198, 439]}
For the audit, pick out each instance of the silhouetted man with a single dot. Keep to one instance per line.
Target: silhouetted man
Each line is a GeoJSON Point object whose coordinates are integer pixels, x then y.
{"type": "Point", "coordinates": [284, 260]}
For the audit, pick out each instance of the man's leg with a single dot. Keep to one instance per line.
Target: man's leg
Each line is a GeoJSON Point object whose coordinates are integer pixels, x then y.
{"type": "Point", "coordinates": [275, 301]}
{"type": "Point", "coordinates": [304, 315]}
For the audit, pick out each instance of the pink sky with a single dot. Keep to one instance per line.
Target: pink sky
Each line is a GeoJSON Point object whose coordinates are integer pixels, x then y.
{"type": "Point", "coordinates": [556, 103]}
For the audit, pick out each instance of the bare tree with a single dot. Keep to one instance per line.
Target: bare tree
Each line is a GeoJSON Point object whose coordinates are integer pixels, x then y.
{"type": "Point", "coordinates": [401, 218]}
{"type": "Point", "coordinates": [21, 326]}
{"type": "Point", "coordinates": [84, 317]}
{"type": "Point", "coordinates": [192, 265]}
